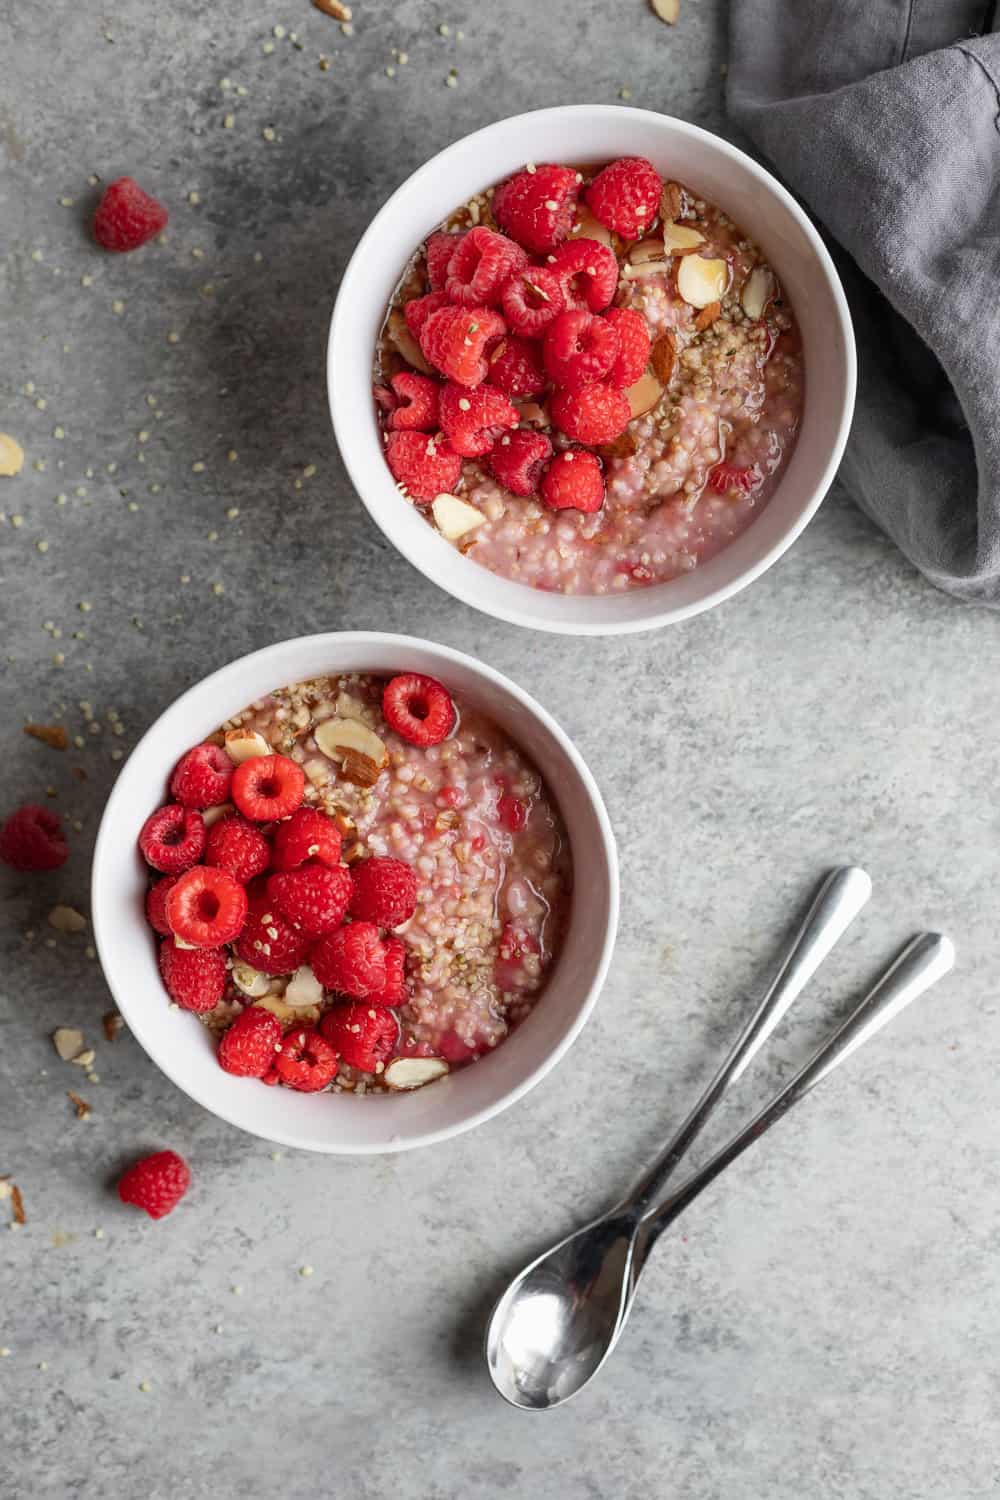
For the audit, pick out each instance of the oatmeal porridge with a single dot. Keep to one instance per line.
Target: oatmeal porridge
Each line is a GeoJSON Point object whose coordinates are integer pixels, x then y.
{"type": "Point", "coordinates": [362, 884]}
{"type": "Point", "coordinates": [589, 380]}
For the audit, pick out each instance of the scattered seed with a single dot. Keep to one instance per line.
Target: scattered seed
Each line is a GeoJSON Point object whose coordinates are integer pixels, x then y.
{"type": "Point", "coordinates": [118, 307]}
{"type": "Point", "coordinates": [198, 468]}
{"type": "Point", "coordinates": [173, 338]}
{"type": "Point", "coordinates": [305, 1271]}
{"type": "Point", "coordinates": [194, 198]}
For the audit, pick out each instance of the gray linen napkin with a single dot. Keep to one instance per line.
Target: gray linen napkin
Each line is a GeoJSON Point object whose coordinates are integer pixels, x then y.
{"type": "Point", "coordinates": [884, 116]}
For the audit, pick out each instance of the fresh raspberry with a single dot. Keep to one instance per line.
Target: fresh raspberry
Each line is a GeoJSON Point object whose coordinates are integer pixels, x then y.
{"type": "Point", "coordinates": [573, 481]}
{"type": "Point", "coordinates": [268, 941]}
{"type": "Point", "coordinates": [364, 1035]}
{"type": "Point", "coordinates": [267, 787]}
{"type": "Point", "coordinates": [438, 251]}
{"type": "Point", "coordinates": [235, 845]}
{"type": "Point", "coordinates": [728, 479]}
{"type": "Point", "coordinates": [127, 217]}
{"type": "Point", "coordinates": [313, 899]}
{"type": "Point", "coordinates": [519, 459]}
{"type": "Point", "coordinates": [156, 904]}
{"type": "Point", "coordinates": [597, 414]}
{"type": "Point", "coordinates": [206, 907]}
{"type": "Point", "coordinates": [307, 1061]}
{"type": "Point", "coordinates": [173, 838]}
{"type": "Point", "coordinates": [417, 407]}
{"type": "Point", "coordinates": [32, 839]}
{"type": "Point", "coordinates": [515, 367]}
{"type": "Point", "coordinates": [579, 349]}
{"type": "Point", "coordinates": [418, 708]}
{"type": "Point", "coordinates": [588, 274]}
{"type": "Point", "coordinates": [455, 1051]}
{"type": "Point", "coordinates": [479, 267]}
{"type": "Point", "coordinates": [384, 892]}
{"type": "Point", "coordinates": [385, 399]}
{"type": "Point", "coordinates": [247, 1048]}
{"type": "Point", "coordinates": [625, 196]}
{"type": "Point", "coordinates": [418, 310]}
{"type": "Point", "coordinates": [202, 777]}
{"type": "Point", "coordinates": [512, 812]}
{"type": "Point", "coordinates": [195, 978]}
{"type": "Point", "coordinates": [351, 960]}
{"type": "Point", "coordinates": [395, 974]}
{"type": "Point", "coordinates": [425, 465]}
{"type": "Point", "coordinates": [307, 835]}
{"type": "Point", "coordinates": [537, 207]}
{"type": "Point", "coordinates": [531, 299]}
{"type": "Point", "coordinates": [633, 337]}
{"type": "Point", "coordinates": [157, 1183]}
{"type": "Point", "coordinates": [454, 340]}
{"type": "Point", "coordinates": [473, 420]}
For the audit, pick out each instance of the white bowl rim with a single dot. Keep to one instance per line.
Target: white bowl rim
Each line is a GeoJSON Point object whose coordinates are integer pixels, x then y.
{"type": "Point", "coordinates": [466, 592]}
{"type": "Point", "coordinates": [103, 920]}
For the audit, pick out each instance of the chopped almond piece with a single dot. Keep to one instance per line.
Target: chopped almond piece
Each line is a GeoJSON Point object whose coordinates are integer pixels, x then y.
{"type": "Point", "coordinates": [707, 316]}
{"type": "Point", "coordinates": [663, 358]}
{"type": "Point", "coordinates": [53, 735]}
{"type": "Point", "coordinates": [80, 1105]}
{"type": "Point", "coordinates": [111, 1024]}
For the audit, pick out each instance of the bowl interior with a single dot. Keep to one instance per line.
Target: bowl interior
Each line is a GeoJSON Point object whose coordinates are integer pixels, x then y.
{"type": "Point", "coordinates": [182, 1046]}
{"type": "Point", "coordinates": [582, 134]}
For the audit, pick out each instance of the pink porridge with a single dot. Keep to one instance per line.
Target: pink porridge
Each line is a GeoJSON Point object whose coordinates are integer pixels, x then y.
{"type": "Point", "coordinates": [349, 909]}
{"type": "Point", "coordinates": [589, 380]}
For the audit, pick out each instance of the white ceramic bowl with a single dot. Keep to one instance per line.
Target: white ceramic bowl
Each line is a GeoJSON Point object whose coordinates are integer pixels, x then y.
{"type": "Point", "coordinates": [183, 1047]}
{"type": "Point", "coordinates": [583, 133]}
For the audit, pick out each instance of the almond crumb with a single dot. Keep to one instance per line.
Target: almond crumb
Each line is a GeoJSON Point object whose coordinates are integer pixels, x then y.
{"type": "Point", "coordinates": [80, 1105]}
{"type": "Point", "coordinates": [53, 735]}
{"type": "Point", "coordinates": [111, 1023]}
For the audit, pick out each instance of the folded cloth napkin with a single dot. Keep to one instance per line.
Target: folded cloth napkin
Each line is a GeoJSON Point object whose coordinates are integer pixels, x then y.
{"type": "Point", "coordinates": [884, 116]}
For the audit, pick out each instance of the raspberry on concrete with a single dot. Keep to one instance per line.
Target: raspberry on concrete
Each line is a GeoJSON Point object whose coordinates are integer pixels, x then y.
{"type": "Point", "coordinates": [127, 217]}
{"type": "Point", "coordinates": [157, 1183]}
{"type": "Point", "coordinates": [32, 839]}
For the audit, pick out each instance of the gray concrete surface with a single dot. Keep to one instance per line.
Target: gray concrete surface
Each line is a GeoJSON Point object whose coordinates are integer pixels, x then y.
{"type": "Point", "coordinates": [826, 1324]}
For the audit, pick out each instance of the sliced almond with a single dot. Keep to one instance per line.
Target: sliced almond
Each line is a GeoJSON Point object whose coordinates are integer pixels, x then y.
{"type": "Point", "coordinates": [663, 358]}
{"type": "Point", "coordinates": [702, 281]}
{"type": "Point", "coordinates": [343, 821]}
{"type": "Point", "coordinates": [643, 396]}
{"type": "Point", "coordinates": [180, 943]}
{"type": "Point", "coordinates": [758, 290]}
{"type": "Point", "coordinates": [411, 1072]}
{"type": "Point", "coordinates": [681, 239]}
{"type": "Point", "coordinates": [707, 316]}
{"type": "Point", "coordinates": [250, 980]}
{"type": "Point", "coordinates": [66, 919]}
{"type": "Point", "coordinates": [68, 1042]}
{"type": "Point", "coordinates": [646, 268]}
{"type": "Point", "coordinates": [667, 10]}
{"type": "Point", "coordinates": [589, 228]}
{"type": "Point", "coordinates": [84, 1059]}
{"type": "Point", "coordinates": [317, 771]}
{"type": "Point", "coordinates": [284, 1012]}
{"type": "Point", "coordinates": [651, 249]}
{"type": "Point", "coordinates": [244, 744]}
{"type": "Point", "coordinates": [212, 815]}
{"type": "Point", "coordinates": [405, 343]}
{"type": "Point", "coordinates": [454, 517]}
{"type": "Point", "coordinates": [352, 852]}
{"type": "Point", "coordinates": [357, 749]}
{"type": "Point", "coordinates": [673, 201]}
{"type": "Point", "coordinates": [53, 735]}
{"type": "Point", "coordinates": [303, 988]}
{"type": "Point", "coordinates": [334, 8]}
{"type": "Point", "coordinates": [11, 455]}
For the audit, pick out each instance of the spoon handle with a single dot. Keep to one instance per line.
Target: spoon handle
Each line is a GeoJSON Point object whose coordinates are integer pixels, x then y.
{"type": "Point", "coordinates": [837, 902]}
{"type": "Point", "coordinates": [922, 963]}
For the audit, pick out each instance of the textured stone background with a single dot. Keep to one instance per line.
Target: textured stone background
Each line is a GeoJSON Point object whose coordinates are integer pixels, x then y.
{"type": "Point", "coordinates": [826, 1324]}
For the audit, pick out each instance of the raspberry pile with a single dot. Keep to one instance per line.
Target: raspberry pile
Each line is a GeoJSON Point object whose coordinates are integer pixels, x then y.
{"type": "Point", "coordinates": [522, 311]}
{"type": "Point", "coordinates": [264, 888]}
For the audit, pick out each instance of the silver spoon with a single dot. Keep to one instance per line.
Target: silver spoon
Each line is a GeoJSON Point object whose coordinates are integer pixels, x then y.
{"type": "Point", "coordinates": [560, 1319]}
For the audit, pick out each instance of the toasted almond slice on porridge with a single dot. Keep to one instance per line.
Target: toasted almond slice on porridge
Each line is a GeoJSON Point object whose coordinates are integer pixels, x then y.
{"type": "Point", "coordinates": [643, 396]}
{"type": "Point", "coordinates": [702, 281]}
{"type": "Point", "coordinates": [303, 988]}
{"type": "Point", "coordinates": [589, 228]}
{"type": "Point", "coordinates": [245, 744]}
{"type": "Point", "coordinates": [681, 239]}
{"type": "Point", "coordinates": [250, 980]}
{"type": "Point", "coordinates": [411, 1072]}
{"type": "Point", "coordinates": [651, 249]}
{"type": "Point", "coordinates": [645, 268]}
{"type": "Point", "coordinates": [454, 517]}
{"type": "Point", "coordinates": [758, 290]}
{"type": "Point", "coordinates": [212, 815]}
{"type": "Point", "coordinates": [663, 358]}
{"type": "Point", "coordinates": [358, 751]}
{"type": "Point", "coordinates": [284, 1012]}
{"type": "Point", "coordinates": [707, 316]}
{"type": "Point", "coordinates": [673, 202]}
{"type": "Point", "coordinates": [405, 343]}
